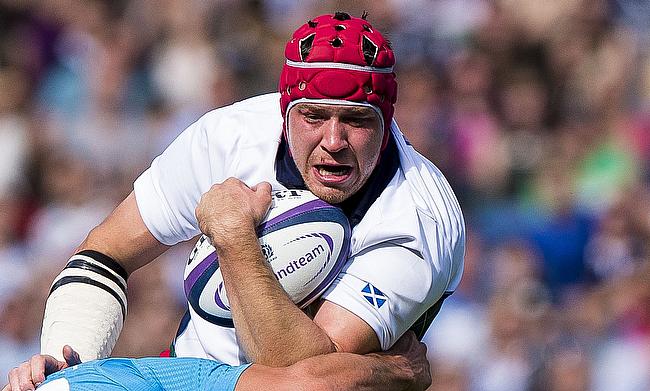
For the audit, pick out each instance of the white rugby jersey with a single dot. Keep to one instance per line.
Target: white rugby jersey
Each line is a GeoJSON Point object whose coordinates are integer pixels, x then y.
{"type": "Point", "coordinates": [406, 253]}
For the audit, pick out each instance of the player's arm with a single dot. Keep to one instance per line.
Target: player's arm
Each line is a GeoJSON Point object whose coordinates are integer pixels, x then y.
{"type": "Point", "coordinates": [403, 367]}
{"type": "Point", "coordinates": [87, 302]}
{"type": "Point", "coordinates": [270, 327]}
{"type": "Point", "coordinates": [124, 237]}
{"type": "Point", "coordinates": [85, 309]}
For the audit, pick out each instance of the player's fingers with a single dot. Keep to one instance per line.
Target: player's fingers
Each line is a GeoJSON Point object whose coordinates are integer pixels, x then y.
{"type": "Point", "coordinates": [26, 381]}
{"type": "Point", "coordinates": [6, 388]}
{"type": "Point", "coordinates": [405, 342]}
{"type": "Point", "coordinates": [262, 187]}
{"type": "Point", "coordinates": [423, 347]}
{"type": "Point", "coordinates": [410, 335]}
{"type": "Point", "coordinates": [21, 378]}
{"type": "Point", "coordinates": [37, 367]}
{"type": "Point", "coordinates": [14, 384]}
{"type": "Point", "coordinates": [263, 194]}
{"type": "Point", "coordinates": [71, 356]}
{"type": "Point", "coordinates": [234, 183]}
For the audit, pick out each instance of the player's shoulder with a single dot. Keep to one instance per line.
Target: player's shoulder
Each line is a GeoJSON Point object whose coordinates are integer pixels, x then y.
{"type": "Point", "coordinates": [391, 217]}
{"type": "Point", "coordinates": [430, 192]}
{"type": "Point", "coordinates": [261, 105]}
{"type": "Point", "coordinates": [253, 118]}
{"type": "Point", "coordinates": [417, 202]}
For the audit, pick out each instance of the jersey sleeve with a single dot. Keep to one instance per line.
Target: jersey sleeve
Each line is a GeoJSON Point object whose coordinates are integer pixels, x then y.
{"type": "Point", "coordinates": [168, 191]}
{"type": "Point", "coordinates": [389, 285]}
{"type": "Point", "coordinates": [147, 373]}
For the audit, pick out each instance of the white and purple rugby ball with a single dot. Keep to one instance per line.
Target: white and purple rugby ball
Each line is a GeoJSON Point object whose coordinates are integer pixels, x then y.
{"type": "Point", "coordinates": [304, 239]}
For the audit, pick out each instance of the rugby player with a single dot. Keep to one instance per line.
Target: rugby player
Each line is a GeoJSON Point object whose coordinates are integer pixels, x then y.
{"type": "Point", "coordinates": [329, 129]}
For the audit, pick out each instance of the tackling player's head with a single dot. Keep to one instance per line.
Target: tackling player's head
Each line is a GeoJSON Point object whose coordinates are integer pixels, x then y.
{"type": "Point", "coordinates": [338, 74]}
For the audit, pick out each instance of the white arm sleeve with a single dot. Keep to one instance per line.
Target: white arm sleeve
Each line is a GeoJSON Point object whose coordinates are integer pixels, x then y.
{"type": "Point", "coordinates": [84, 317]}
{"type": "Point", "coordinates": [86, 307]}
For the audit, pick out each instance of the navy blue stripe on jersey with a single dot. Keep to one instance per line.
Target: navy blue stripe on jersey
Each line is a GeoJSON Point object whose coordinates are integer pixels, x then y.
{"type": "Point", "coordinates": [87, 280]}
{"type": "Point", "coordinates": [356, 206]}
{"type": "Point", "coordinates": [85, 265]}
{"type": "Point", "coordinates": [422, 324]}
{"type": "Point", "coordinates": [286, 171]}
{"type": "Point", "coordinates": [106, 261]}
{"type": "Point", "coordinates": [185, 320]}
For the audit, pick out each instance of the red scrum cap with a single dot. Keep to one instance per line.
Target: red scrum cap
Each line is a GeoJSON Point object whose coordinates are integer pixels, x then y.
{"type": "Point", "coordinates": [339, 59]}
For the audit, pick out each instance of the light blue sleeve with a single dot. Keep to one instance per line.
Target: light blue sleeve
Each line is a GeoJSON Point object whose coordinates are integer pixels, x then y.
{"type": "Point", "coordinates": [186, 373]}
{"type": "Point", "coordinates": [146, 374]}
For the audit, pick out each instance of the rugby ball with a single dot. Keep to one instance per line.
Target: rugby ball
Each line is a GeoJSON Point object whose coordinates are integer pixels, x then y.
{"type": "Point", "coordinates": [304, 239]}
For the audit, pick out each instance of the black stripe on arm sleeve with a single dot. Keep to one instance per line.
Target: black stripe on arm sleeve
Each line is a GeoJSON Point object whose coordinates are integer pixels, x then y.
{"type": "Point", "coordinates": [87, 280]}
{"type": "Point", "coordinates": [106, 261]}
{"type": "Point", "coordinates": [81, 264]}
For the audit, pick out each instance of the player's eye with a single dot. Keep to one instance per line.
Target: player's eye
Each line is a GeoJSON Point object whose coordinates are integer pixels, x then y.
{"type": "Point", "coordinates": [360, 122]}
{"type": "Point", "coordinates": [312, 117]}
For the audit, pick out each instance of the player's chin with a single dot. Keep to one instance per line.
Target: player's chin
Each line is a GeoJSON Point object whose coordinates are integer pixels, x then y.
{"type": "Point", "coordinates": [328, 193]}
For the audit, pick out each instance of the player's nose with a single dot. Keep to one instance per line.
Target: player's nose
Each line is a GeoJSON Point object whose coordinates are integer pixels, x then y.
{"type": "Point", "coordinates": [334, 136]}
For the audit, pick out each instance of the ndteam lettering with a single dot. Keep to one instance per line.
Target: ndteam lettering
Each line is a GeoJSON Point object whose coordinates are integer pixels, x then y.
{"type": "Point", "coordinates": [294, 265]}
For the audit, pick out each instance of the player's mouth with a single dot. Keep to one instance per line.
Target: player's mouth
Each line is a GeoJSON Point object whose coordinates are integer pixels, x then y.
{"type": "Point", "coordinates": [332, 173]}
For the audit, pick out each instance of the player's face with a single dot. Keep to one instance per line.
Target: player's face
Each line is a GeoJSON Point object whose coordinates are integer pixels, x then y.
{"type": "Point", "coordinates": [335, 147]}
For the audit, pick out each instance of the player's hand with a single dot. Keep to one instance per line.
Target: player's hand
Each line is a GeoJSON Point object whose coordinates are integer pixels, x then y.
{"type": "Point", "coordinates": [31, 373]}
{"type": "Point", "coordinates": [413, 354]}
{"type": "Point", "coordinates": [231, 209]}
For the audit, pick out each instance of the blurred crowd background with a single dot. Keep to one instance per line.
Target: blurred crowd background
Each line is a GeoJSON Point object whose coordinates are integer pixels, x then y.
{"type": "Point", "coordinates": [538, 112]}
